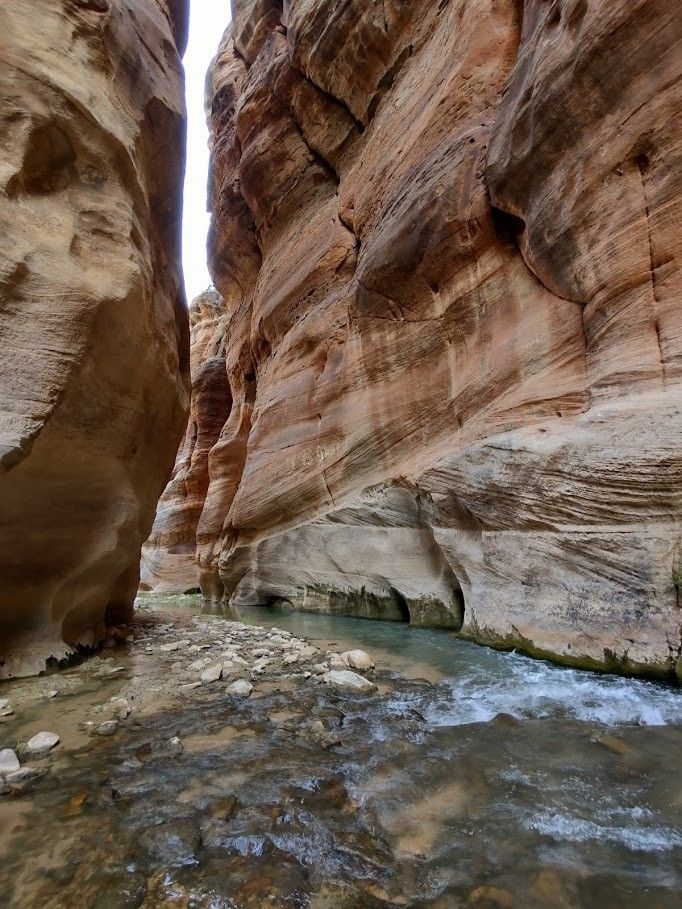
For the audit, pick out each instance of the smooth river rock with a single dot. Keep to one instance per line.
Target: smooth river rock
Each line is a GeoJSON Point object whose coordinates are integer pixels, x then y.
{"type": "Point", "coordinates": [42, 742]}
{"type": "Point", "coordinates": [350, 681]}
{"type": "Point", "coordinates": [241, 688]}
{"type": "Point", "coordinates": [357, 659]}
{"type": "Point", "coordinates": [9, 762]}
{"type": "Point", "coordinates": [446, 241]}
{"type": "Point", "coordinates": [94, 356]}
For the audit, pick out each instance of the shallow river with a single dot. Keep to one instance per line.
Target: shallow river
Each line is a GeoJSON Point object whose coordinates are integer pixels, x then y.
{"type": "Point", "coordinates": [473, 779]}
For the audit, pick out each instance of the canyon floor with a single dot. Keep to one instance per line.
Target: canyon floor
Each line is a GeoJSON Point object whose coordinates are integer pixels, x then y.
{"type": "Point", "coordinates": [214, 761]}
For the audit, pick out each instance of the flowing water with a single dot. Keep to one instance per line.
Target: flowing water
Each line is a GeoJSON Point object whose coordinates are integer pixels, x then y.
{"type": "Point", "coordinates": [473, 779]}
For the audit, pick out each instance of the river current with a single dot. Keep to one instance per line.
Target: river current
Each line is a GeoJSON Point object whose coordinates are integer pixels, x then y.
{"type": "Point", "coordinates": [472, 779]}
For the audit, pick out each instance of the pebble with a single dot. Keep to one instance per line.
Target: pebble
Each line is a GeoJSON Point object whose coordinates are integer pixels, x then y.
{"type": "Point", "coordinates": [173, 645]}
{"type": "Point", "coordinates": [261, 664]}
{"type": "Point", "coordinates": [191, 687]}
{"type": "Point", "coordinates": [241, 688]}
{"type": "Point", "coordinates": [357, 659]}
{"type": "Point", "coordinates": [198, 665]}
{"type": "Point", "coordinates": [290, 658]}
{"type": "Point", "coordinates": [280, 632]}
{"type": "Point", "coordinates": [42, 742]}
{"type": "Point", "coordinates": [212, 673]}
{"type": "Point", "coordinates": [9, 762]}
{"type": "Point", "coordinates": [335, 661]}
{"type": "Point", "coordinates": [307, 651]}
{"type": "Point", "coordinates": [350, 681]}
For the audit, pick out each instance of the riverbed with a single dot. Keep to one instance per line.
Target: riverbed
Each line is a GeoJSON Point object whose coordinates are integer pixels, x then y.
{"type": "Point", "coordinates": [467, 778]}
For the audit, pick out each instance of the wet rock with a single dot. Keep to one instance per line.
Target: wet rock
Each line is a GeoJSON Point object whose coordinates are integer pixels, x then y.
{"type": "Point", "coordinates": [9, 762]}
{"type": "Point", "coordinates": [320, 668]}
{"type": "Point", "coordinates": [349, 681]}
{"type": "Point", "coordinates": [42, 742]}
{"type": "Point", "coordinates": [19, 781]}
{"type": "Point", "coordinates": [175, 843]}
{"type": "Point", "coordinates": [224, 808]}
{"type": "Point", "coordinates": [491, 898]}
{"type": "Point", "coordinates": [316, 733]}
{"type": "Point", "coordinates": [241, 688]}
{"type": "Point", "coordinates": [212, 674]}
{"type": "Point", "coordinates": [357, 659]}
{"type": "Point", "coordinates": [107, 728]}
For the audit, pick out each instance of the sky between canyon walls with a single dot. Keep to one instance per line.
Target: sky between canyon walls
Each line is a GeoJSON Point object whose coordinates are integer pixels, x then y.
{"type": "Point", "coordinates": [208, 20]}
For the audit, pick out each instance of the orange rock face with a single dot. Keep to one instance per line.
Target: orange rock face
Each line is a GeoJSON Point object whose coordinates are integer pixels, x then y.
{"type": "Point", "coordinates": [94, 355]}
{"type": "Point", "coordinates": [448, 237]}
{"type": "Point", "coordinates": [169, 555]}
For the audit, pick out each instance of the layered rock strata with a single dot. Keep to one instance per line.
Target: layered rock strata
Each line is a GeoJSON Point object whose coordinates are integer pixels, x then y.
{"type": "Point", "coordinates": [94, 353]}
{"type": "Point", "coordinates": [169, 555]}
{"type": "Point", "coordinates": [449, 236]}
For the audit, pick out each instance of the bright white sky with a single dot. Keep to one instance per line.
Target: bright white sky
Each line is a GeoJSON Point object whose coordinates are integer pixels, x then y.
{"type": "Point", "coordinates": [208, 21]}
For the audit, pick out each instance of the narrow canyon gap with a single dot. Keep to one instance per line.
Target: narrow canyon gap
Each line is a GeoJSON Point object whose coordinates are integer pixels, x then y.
{"type": "Point", "coordinates": [442, 364]}
{"type": "Point", "coordinates": [94, 352]}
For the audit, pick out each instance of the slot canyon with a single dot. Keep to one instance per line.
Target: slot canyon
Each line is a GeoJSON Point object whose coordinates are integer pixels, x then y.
{"type": "Point", "coordinates": [442, 362]}
{"type": "Point", "coordinates": [355, 581]}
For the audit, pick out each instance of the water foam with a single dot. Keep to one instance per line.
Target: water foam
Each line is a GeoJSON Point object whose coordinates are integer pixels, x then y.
{"type": "Point", "coordinates": [526, 688]}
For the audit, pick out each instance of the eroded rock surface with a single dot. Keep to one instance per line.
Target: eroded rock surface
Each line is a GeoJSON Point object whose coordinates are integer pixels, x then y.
{"type": "Point", "coordinates": [94, 348]}
{"type": "Point", "coordinates": [169, 555]}
{"type": "Point", "coordinates": [447, 235]}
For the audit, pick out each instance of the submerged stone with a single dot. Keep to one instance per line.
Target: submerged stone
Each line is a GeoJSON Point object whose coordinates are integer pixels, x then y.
{"type": "Point", "coordinates": [9, 762]}
{"type": "Point", "coordinates": [42, 742]}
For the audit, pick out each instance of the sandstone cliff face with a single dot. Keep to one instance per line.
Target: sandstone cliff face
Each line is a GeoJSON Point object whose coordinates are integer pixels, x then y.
{"type": "Point", "coordinates": [94, 349]}
{"type": "Point", "coordinates": [169, 555]}
{"type": "Point", "coordinates": [448, 235]}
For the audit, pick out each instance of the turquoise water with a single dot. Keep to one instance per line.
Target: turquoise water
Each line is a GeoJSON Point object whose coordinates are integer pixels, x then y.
{"type": "Point", "coordinates": [473, 780]}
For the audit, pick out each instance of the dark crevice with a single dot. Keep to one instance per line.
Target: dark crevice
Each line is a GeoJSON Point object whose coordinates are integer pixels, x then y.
{"type": "Point", "coordinates": [400, 603]}
{"type": "Point", "coordinates": [339, 102]}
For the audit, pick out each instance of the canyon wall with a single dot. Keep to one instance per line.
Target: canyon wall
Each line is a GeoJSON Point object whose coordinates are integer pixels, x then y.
{"type": "Point", "coordinates": [448, 236]}
{"type": "Point", "coordinates": [169, 555]}
{"type": "Point", "coordinates": [93, 325]}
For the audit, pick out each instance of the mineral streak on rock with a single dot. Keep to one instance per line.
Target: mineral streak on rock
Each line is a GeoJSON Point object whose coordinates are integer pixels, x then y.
{"type": "Point", "coordinates": [447, 234]}
{"type": "Point", "coordinates": [94, 355]}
